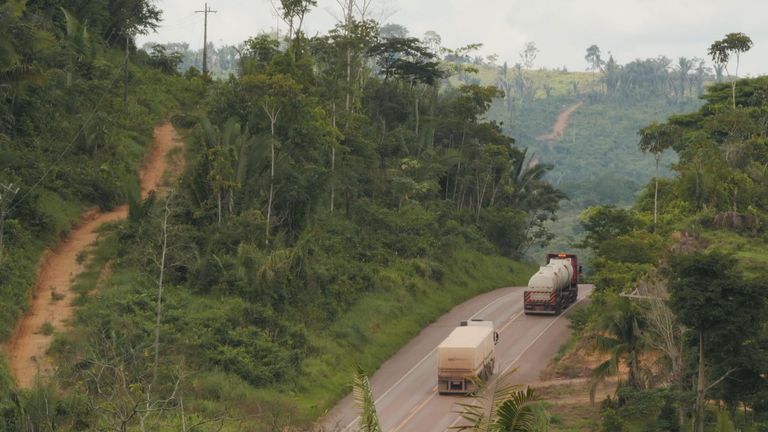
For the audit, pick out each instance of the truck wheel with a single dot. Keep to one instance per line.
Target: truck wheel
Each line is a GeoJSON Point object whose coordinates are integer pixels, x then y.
{"type": "Point", "coordinates": [558, 308]}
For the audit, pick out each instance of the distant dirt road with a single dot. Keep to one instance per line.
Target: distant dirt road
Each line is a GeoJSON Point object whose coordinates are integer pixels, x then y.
{"type": "Point", "coordinates": [560, 124]}
{"type": "Point", "coordinates": [52, 300]}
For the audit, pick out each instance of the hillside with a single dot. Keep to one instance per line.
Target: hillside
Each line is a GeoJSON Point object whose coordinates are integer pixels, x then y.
{"type": "Point", "coordinates": [341, 192]}
{"type": "Point", "coordinates": [596, 157]}
{"type": "Point", "coordinates": [683, 293]}
{"type": "Point", "coordinates": [320, 222]}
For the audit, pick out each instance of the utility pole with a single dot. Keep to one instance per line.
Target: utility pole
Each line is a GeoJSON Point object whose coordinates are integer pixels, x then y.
{"type": "Point", "coordinates": [7, 192]}
{"type": "Point", "coordinates": [205, 37]}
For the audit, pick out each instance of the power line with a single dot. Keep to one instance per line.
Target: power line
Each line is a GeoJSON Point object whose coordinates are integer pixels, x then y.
{"type": "Point", "coordinates": [205, 37]}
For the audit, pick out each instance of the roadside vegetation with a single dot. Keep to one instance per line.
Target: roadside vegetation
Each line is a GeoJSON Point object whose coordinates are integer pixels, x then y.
{"type": "Point", "coordinates": [73, 133]}
{"type": "Point", "coordinates": [342, 191]}
{"type": "Point", "coordinates": [679, 305]}
{"type": "Point", "coordinates": [335, 200]}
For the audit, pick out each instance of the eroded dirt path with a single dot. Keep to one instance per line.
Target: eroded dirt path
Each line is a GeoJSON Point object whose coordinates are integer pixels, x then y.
{"type": "Point", "coordinates": [53, 296]}
{"type": "Point", "coordinates": [560, 124]}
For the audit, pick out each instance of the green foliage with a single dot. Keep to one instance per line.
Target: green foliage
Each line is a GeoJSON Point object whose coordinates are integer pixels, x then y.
{"type": "Point", "coordinates": [499, 406]}
{"type": "Point", "coordinates": [647, 410]}
{"type": "Point", "coordinates": [604, 223]}
{"type": "Point", "coordinates": [619, 333]}
{"type": "Point", "coordinates": [329, 210]}
{"type": "Point", "coordinates": [708, 293]}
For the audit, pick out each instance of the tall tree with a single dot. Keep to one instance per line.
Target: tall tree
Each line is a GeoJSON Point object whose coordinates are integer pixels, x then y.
{"type": "Point", "coordinates": [684, 66]}
{"type": "Point", "coordinates": [594, 58]}
{"type": "Point", "coordinates": [712, 298]}
{"type": "Point", "coordinates": [292, 12]}
{"type": "Point", "coordinates": [528, 55]}
{"type": "Point", "coordinates": [655, 139]}
{"type": "Point", "coordinates": [721, 51]}
{"type": "Point", "coordinates": [272, 94]}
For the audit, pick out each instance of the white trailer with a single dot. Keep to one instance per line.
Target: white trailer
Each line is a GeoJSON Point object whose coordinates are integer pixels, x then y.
{"type": "Point", "coordinates": [466, 355]}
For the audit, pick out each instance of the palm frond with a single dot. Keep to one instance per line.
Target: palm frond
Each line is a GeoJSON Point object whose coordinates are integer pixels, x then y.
{"type": "Point", "coordinates": [516, 414]}
{"type": "Point", "coordinates": [499, 406]}
{"type": "Point", "coordinates": [361, 390]}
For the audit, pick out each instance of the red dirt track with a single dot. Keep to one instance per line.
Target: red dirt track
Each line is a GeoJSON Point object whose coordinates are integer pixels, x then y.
{"type": "Point", "coordinates": [26, 349]}
{"type": "Point", "coordinates": [560, 124]}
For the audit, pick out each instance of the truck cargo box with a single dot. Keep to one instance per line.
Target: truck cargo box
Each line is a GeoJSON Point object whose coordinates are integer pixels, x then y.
{"type": "Point", "coordinates": [465, 349]}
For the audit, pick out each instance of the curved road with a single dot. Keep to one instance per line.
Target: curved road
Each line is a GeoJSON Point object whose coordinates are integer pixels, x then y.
{"type": "Point", "coordinates": [405, 387]}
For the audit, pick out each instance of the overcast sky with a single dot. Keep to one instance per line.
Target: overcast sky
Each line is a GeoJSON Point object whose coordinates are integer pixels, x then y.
{"type": "Point", "coordinates": [561, 29]}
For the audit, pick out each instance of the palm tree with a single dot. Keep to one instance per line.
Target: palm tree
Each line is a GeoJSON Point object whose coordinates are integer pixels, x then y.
{"type": "Point", "coordinates": [620, 334]}
{"type": "Point", "coordinates": [500, 406]}
{"type": "Point", "coordinates": [81, 49]}
{"type": "Point", "coordinates": [525, 177]}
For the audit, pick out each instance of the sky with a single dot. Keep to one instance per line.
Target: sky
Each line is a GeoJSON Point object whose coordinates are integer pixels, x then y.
{"type": "Point", "coordinates": [561, 29]}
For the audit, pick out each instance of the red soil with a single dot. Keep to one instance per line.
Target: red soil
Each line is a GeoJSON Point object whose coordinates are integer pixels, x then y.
{"type": "Point", "coordinates": [52, 299]}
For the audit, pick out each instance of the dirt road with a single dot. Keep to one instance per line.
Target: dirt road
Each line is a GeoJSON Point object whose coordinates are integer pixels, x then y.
{"type": "Point", "coordinates": [405, 387]}
{"type": "Point", "coordinates": [560, 124]}
{"type": "Point", "coordinates": [51, 303]}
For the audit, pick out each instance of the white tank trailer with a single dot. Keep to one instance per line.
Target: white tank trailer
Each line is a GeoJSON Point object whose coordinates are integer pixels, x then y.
{"type": "Point", "coordinates": [554, 287]}
{"type": "Point", "coordinates": [468, 354]}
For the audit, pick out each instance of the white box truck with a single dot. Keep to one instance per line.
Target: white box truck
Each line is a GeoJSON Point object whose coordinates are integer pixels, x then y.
{"type": "Point", "coordinates": [466, 355]}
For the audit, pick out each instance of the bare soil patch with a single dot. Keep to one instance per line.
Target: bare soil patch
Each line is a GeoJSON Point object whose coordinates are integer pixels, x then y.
{"type": "Point", "coordinates": [560, 124]}
{"type": "Point", "coordinates": [53, 295]}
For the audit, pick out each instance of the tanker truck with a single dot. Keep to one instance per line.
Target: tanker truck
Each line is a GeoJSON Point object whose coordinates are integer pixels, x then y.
{"type": "Point", "coordinates": [554, 287]}
{"type": "Point", "coordinates": [465, 356]}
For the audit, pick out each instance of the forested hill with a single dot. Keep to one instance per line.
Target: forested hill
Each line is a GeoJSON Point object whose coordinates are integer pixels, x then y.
{"type": "Point", "coordinates": [693, 261]}
{"type": "Point", "coordinates": [335, 201]}
{"type": "Point", "coordinates": [596, 155]}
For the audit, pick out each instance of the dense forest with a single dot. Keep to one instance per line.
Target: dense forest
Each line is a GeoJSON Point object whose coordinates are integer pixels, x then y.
{"type": "Point", "coordinates": [336, 199]}
{"type": "Point", "coordinates": [680, 281]}
{"type": "Point", "coordinates": [343, 190]}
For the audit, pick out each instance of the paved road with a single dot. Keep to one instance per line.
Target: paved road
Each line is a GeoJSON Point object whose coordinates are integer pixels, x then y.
{"type": "Point", "coordinates": [405, 386]}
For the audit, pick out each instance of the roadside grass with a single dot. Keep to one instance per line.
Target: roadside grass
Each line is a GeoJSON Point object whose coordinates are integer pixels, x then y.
{"type": "Point", "coordinates": [375, 328]}
{"type": "Point", "coordinates": [569, 406]}
{"type": "Point", "coordinates": [367, 334]}
{"type": "Point", "coordinates": [566, 347]}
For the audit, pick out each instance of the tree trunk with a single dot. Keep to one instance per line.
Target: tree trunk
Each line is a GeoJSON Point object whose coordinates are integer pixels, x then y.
{"type": "Point", "coordinates": [333, 179]}
{"type": "Point", "coordinates": [656, 194]}
{"type": "Point", "coordinates": [417, 115]}
{"type": "Point", "coordinates": [456, 180]}
{"type": "Point", "coordinates": [333, 156]}
{"type": "Point", "coordinates": [218, 205]}
{"type": "Point", "coordinates": [125, 73]}
{"type": "Point", "coordinates": [700, 389]}
{"type": "Point", "coordinates": [347, 103]}
{"type": "Point", "coordinates": [160, 281]}
{"type": "Point", "coordinates": [2, 232]}
{"type": "Point", "coordinates": [271, 178]}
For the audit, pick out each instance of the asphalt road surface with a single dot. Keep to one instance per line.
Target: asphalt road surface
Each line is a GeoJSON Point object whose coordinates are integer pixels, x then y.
{"type": "Point", "coordinates": [405, 387]}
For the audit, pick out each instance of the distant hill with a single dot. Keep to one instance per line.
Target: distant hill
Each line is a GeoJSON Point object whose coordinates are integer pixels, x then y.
{"type": "Point", "coordinates": [596, 159]}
